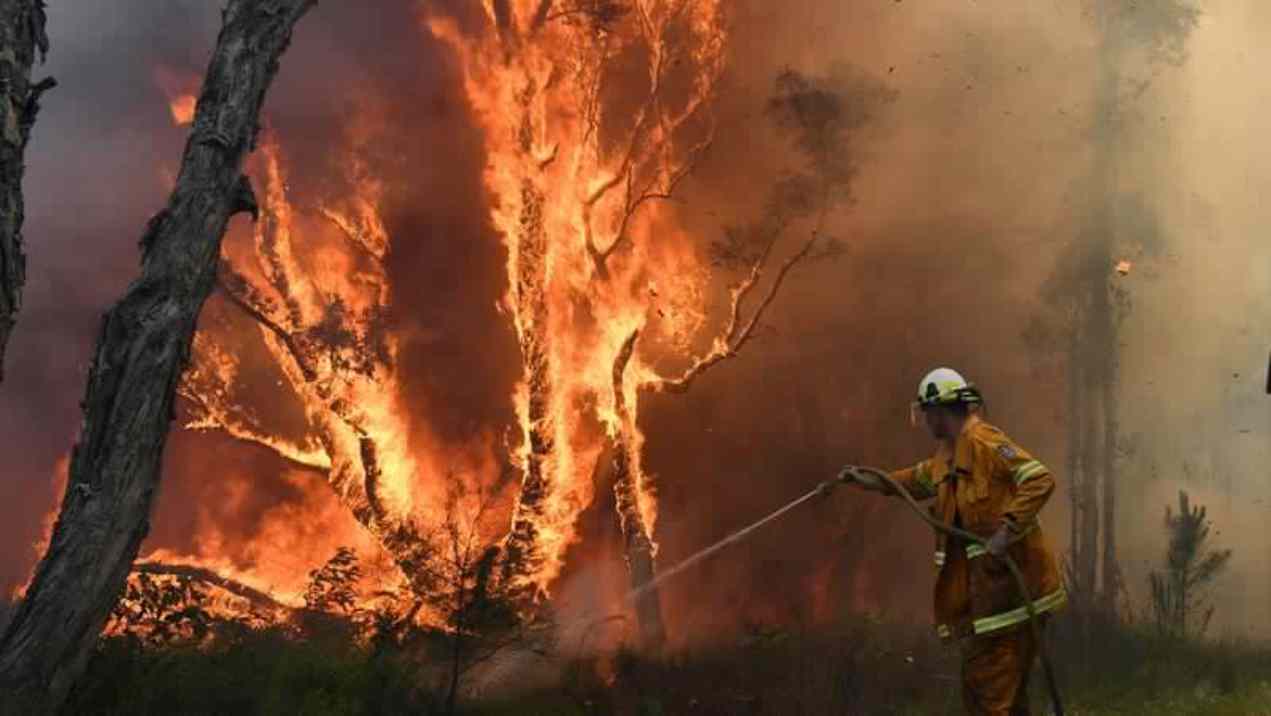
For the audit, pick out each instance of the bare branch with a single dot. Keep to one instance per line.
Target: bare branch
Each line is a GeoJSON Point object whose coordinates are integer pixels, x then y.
{"type": "Point", "coordinates": [207, 576]}
{"type": "Point", "coordinates": [735, 338]}
{"type": "Point", "coordinates": [211, 419]}
{"type": "Point", "coordinates": [647, 147]}
{"type": "Point", "coordinates": [355, 236]}
{"type": "Point", "coordinates": [619, 370]}
{"type": "Point", "coordinates": [258, 315]}
{"type": "Point", "coordinates": [650, 194]}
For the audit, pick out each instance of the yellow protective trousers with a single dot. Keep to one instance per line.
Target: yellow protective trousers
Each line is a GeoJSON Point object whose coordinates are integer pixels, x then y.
{"type": "Point", "coordinates": [995, 669]}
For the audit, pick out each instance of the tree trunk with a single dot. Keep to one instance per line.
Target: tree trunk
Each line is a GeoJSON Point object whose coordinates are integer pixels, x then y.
{"type": "Point", "coordinates": [456, 664]}
{"type": "Point", "coordinates": [1073, 461]}
{"type": "Point", "coordinates": [524, 555]}
{"type": "Point", "coordinates": [142, 348]}
{"type": "Point", "coordinates": [21, 35]}
{"type": "Point", "coordinates": [1102, 323]}
{"type": "Point", "coordinates": [636, 541]}
{"type": "Point", "coordinates": [1089, 495]}
{"type": "Point", "coordinates": [1110, 567]}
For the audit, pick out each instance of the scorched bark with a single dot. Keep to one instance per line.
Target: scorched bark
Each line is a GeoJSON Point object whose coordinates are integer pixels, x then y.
{"type": "Point", "coordinates": [141, 351]}
{"type": "Point", "coordinates": [21, 35]}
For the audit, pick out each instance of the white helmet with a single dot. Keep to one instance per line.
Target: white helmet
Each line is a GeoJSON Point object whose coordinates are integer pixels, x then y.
{"type": "Point", "coordinates": [944, 386]}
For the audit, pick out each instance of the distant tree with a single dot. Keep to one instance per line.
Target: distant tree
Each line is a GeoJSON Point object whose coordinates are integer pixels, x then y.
{"type": "Point", "coordinates": [1178, 591]}
{"type": "Point", "coordinates": [1086, 303]}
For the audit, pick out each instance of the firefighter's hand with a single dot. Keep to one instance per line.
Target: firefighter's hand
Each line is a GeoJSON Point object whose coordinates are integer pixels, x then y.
{"type": "Point", "coordinates": [862, 478]}
{"type": "Point", "coordinates": [1000, 540]}
{"type": "Point", "coordinates": [825, 488]}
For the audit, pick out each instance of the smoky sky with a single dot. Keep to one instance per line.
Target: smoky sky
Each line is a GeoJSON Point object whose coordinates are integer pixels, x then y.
{"type": "Point", "coordinates": [965, 198]}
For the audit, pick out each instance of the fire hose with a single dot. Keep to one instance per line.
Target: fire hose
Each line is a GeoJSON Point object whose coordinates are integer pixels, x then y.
{"type": "Point", "coordinates": [968, 537]}
{"type": "Point", "coordinates": [1021, 585]}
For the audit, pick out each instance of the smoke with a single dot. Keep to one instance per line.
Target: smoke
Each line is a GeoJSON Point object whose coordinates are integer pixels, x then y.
{"type": "Point", "coordinates": [967, 195]}
{"type": "Point", "coordinates": [1197, 339]}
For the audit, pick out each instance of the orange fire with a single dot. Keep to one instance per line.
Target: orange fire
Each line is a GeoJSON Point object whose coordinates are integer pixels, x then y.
{"type": "Point", "coordinates": [592, 119]}
{"type": "Point", "coordinates": [61, 472]}
{"type": "Point", "coordinates": [181, 88]}
{"type": "Point", "coordinates": [182, 109]}
{"type": "Point", "coordinates": [581, 163]}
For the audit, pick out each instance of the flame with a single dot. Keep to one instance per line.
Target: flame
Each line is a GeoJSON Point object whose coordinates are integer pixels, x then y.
{"type": "Point", "coordinates": [289, 541]}
{"type": "Point", "coordinates": [603, 287]}
{"type": "Point", "coordinates": [593, 258]}
{"type": "Point", "coordinates": [181, 88]}
{"type": "Point", "coordinates": [182, 109]}
{"type": "Point", "coordinates": [61, 473]}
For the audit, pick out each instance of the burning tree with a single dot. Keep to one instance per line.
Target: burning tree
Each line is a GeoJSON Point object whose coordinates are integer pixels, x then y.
{"type": "Point", "coordinates": [595, 115]}
{"type": "Point", "coordinates": [820, 117]}
{"type": "Point", "coordinates": [325, 330]}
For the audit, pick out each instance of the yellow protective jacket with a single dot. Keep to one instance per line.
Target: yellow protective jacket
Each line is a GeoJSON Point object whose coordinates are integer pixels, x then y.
{"type": "Point", "coordinates": [986, 482]}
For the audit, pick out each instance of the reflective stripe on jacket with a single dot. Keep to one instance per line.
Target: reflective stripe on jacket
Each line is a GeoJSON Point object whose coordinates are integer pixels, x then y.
{"type": "Point", "coordinates": [986, 481]}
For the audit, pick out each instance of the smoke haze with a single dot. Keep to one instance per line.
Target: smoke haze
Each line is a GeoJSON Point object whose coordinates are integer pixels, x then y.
{"type": "Point", "coordinates": [968, 194]}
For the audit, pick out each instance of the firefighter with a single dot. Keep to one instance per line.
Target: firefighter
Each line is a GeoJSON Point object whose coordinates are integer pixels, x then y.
{"type": "Point", "coordinates": [983, 483]}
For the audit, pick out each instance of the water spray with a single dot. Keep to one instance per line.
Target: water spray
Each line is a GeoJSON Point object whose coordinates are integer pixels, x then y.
{"type": "Point", "coordinates": [700, 555]}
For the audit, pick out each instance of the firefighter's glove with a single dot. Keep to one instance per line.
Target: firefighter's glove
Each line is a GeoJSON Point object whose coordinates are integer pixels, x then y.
{"type": "Point", "coordinates": [1000, 540]}
{"type": "Point", "coordinates": [862, 478]}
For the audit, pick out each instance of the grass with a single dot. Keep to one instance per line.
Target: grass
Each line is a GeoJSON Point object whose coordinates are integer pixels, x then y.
{"type": "Point", "coordinates": [860, 666]}
{"type": "Point", "coordinates": [261, 673]}
{"type": "Point", "coordinates": [1138, 672]}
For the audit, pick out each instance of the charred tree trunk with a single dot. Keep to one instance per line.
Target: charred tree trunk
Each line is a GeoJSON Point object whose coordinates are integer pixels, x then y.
{"type": "Point", "coordinates": [1090, 463]}
{"type": "Point", "coordinates": [1111, 566]}
{"type": "Point", "coordinates": [636, 541]}
{"type": "Point", "coordinates": [21, 35]}
{"type": "Point", "coordinates": [1072, 458]}
{"type": "Point", "coordinates": [1093, 353]}
{"type": "Point", "coordinates": [1101, 330]}
{"type": "Point", "coordinates": [142, 348]}
{"type": "Point", "coordinates": [523, 554]}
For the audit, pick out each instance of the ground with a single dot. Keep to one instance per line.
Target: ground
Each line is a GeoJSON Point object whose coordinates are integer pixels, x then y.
{"type": "Point", "coordinates": [862, 666]}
